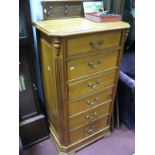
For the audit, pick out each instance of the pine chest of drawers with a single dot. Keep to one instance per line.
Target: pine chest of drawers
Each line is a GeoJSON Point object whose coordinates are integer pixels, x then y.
{"type": "Point", "coordinates": [80, 61]}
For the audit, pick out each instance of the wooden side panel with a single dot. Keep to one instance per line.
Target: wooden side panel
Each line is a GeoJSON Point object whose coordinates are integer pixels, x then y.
{"type": "Point", "coordinates": [49, 85]}
{"type": "Point", "coordinates": [60, 94]}
{"type": "Point", "coordinates": [59, 58]}
{"type": "Point", "coordinates": [62, 9]}
{"type": "Point", "coordinates": [124, 34]}
{"type": "Point", "coordinates": [53, 76]}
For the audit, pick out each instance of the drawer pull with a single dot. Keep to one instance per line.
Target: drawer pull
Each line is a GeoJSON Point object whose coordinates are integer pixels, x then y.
{"type": "Point", "coordinates": [92, 116]}
{"type": "Point", "coordinates": [72, 68]}
{"type": "Point", "coordinates": [96, 45]}
{"type": "Point", "coordinates": [91, 85]}
{"type": "Point", "coordinates": [66, 6]}
{"type": "Point", "coordinates": [49, 68]}
{"type": "Point", "coordinates": [92, 102]}
{"type": "Point", "coordinates": [90, 130]}
{"type": "Point", "coordinates": [94, 65]}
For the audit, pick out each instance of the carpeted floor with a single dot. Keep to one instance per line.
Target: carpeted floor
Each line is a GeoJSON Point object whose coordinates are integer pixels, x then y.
{"type": "Point", "coordinates": [121, 142]}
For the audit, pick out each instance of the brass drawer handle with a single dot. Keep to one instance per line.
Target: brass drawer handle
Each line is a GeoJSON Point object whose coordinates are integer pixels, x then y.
{"type": "Point", "coordinates": [90, 130]}
{"type": "Point", "coordinates": [96, 45]}
{"type": "Point", "coordinates": [91, 85]}
{"type": "Point", "coordinates": [66, 6]}
{"type": "Point", "coordinates": [92, 116]}
{"type": "Point", "coordinates": [94, 65]}
{"type": "Point", "coordinates": [92, 102]}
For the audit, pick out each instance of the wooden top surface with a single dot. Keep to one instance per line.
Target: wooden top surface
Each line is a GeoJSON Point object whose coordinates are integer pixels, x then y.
{"type": "Point", "coordinates": [75, 26]}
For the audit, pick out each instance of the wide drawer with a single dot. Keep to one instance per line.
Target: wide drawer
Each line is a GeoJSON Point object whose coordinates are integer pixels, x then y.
{"type": "Point", "coordinates": [90, 115]}
{"type": "Point", "coordinates": [80, 45]}
{"type": "Point", "coordinates": [91, 64]}
{"type": "Point", "coordinates": [90, 85]}
{"type": "Point", "coordinates": [90, 102]}
{"type": "Point", "coordinates": [88, 129]}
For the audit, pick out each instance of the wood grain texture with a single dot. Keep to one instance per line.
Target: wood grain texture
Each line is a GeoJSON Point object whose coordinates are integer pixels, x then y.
{"type": "Point", "coordinates": [90, 101]}
{"type": "Point", "coordinates": [89, 115]}
{"type": "Point", "coordinates": [92, 42]}
{"type": "Point", "coordinates": [48, 83]}
{"type": "Point", "coordinates": [88, 129]}
{"type": "Point", "coordinates": [84, 75]}
{"type": "Point", "coordinates": [76, 26]}
{"type": "Point", "coordinates": [91, 64]}
{"type": "Point", "coordinates": [60, 79]}
{"type": "Point", "coordinates": [90, 85]}
{"type": "Point", "coordinates": [104, 132]}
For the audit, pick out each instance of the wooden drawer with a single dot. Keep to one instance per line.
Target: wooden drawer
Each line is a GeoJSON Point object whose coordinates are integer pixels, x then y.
{"type": "Point", "coordinates": [90, 115]}
{"type": "Point", "coordinates": [89, 43]}
{"type": "Point", "coordinates": [90, 85]}
{"type": "Point", "coordinates": [91, 64]}
{"type": "Point", "coordinates": [90, 102]}
{"type": "Point", "coordinates": [88, 129]}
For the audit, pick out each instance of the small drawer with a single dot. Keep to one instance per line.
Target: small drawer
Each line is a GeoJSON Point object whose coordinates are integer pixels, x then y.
{"type": "Point", "coordinates": [88, 129]}
{"type": "Point", "coordinates": [56, 8]}
{"type": "Point", "coordinates": [89, 116]}
{"type": "Point", "coordinates": [90, 85]}
{"type": "Point", "coordinates": [74, 11]}
{"type": "Point", "coordinates": [91, 64]}
{"type": "Point", "coordinates": [53, 10]}
{"type": "Point", "coordinates": [90, 102]}
{"type": "Point", "coordinates": [80, 45]}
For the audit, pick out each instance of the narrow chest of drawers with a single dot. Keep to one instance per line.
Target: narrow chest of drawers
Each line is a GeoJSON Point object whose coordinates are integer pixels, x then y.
{"type": "Point", "coordinates": [80, 67]}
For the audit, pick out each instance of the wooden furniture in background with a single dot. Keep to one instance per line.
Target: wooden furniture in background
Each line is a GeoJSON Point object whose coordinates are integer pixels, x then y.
{"type": "Point", "coordinates": [80, 62]}
{"type": "Point", "coordinates": [62, 9]}
{"type": "Point", "coordinates": [33, 127]}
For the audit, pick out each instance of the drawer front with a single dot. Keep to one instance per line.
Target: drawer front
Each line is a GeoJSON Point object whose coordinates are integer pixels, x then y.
{"type": "Point", "coordinates": [89, 129]}
{"type": "Point", "coordinates": [91, 85]}
{"type": "Point", "coordinates": [89, 116]}
{"type": "Point", "coordinates": [74, 10]}
{"type": "Point", "coordinates": [90, 102]}
{"type": "Point", "coordinates": [80, 45]}
{"type": "Point", "coordinates": [91, 64]}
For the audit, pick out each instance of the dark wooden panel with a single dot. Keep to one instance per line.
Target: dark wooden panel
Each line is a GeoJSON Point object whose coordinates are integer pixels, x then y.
{"type": "Point", "coordinates": [25, 28]}
{"type": "Point", "coordinates": [62, 9]}
{"type": "Point", "coordinates": [33, 130]}
{"type": "Point", "coordinates": [33, 127]}
{"type": "Point", "coordinates": [27, 101]}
